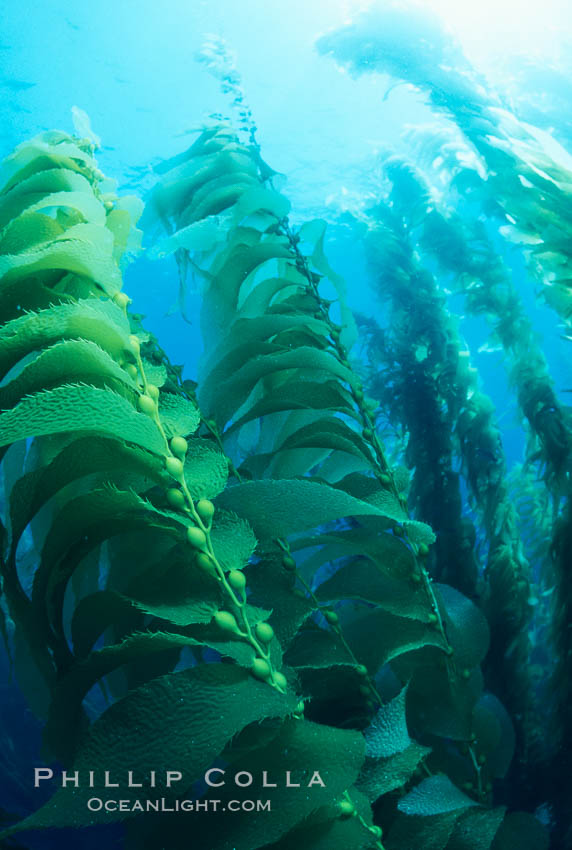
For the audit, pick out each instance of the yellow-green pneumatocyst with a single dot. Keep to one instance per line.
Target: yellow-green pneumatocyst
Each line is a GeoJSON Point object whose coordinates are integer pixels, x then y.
{"type": "Point", "coordinates": [226, 622]}
{"type": "Point", "coordinates": [196, 537]}
{"type": "Point", "coordinates": [260, 669]}
{"type": "Point", "coordinates": [179, 446]}
{"type": "Point", "coordinates": [175, 498]}
{"type": "Point", "coordinates": [135, 344]}
{"type": "Point", "coordinates": [146, 405]}
{"type": "Point", "coordinates": [205, 510]}
{"type": "Point", "coordinates": [280, 680]}
{"type": "Point", "coordinates": [346, 809]}
{"type": "Point", "coordinates": [153, 391]}
{"type": "Point", "coordinates": [121, 299]}
{"type": "Point", "coordinates": [264, 632]}
{"type": "Point", "coordinates": [289, 563]}
{"type": "Point", "coordinates": [237, 580]}
{"type": "Point", "coordinates": [174, 467]}
{"type": "Point", "coordinates": [132, 371]}
{"type": "Point", "coordinates": [331, 617]}
{"type": "Point", "coordinates": [206, 563]}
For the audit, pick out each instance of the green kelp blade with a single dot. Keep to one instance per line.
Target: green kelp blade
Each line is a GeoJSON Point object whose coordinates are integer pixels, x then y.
{"type": "Point", "coordinates": [325, 830]}
{"type": "Point", "coordinates": [220, 363]}
{"type": "Point", "coordinates": [84, 456]}
{"type": "Point", "coordinates": [62, 730]}
{"type": "Point", "coordinates": [180, 721]}
{"type": "Point", "coordinates": [387, 734]}
{"type": "Point", "coordinates": [85, 408]}
{"type": "Point", "coordinates": [52, 149]}
{"type": "Point", "coordinates": [378, 582]}
{"type": "Point", "coordinates": [300, 745]}
{"type": "Point", "coordinates": [84, 249]}
{"type": "Point", "coordinates": [180, 594]}
{"type": "Point", "coordinates": [82, 524]}
{"type": "Point", "coordinates": [379, 776]}
{"type": "Point", "coordinates": [199, 236]}
{"type": "Point", "coordinates": [276, 508]}
{"type": "Point", "coordinates": [206, 469]}
{"type": "Point", "coordinates": [101, 322]}
{"type": "Point", "coordinates": [435, 795]}
{"type": "Point", "coordinates": [299, 395]}
{"type": "Point", "coordinates": [48, 182]}
{"type": "Point", "coordinates": [75, 360]}
{"type": "Point", "coordinates": [476, 830]}
{"type": "Point", "coordinates": [522, 830]}
{"type": "Point", "coordinates": [179, 416]}
{"type": "Point", "coordinates": [233, 540]}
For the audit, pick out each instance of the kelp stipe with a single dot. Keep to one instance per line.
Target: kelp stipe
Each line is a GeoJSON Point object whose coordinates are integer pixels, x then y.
{"type": "Point", "coordinates": [276, 350]}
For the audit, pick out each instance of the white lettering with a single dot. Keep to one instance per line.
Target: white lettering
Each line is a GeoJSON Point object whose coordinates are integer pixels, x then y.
{"type": "Point", "coordinates": [243, 784]}
{"type": "Point", "coordinates": [289, 783]}
{"type": "Point", "coordinates": [42, 773]}
{"type": "Point", "coordinates": [130, 783]}
{"type": "Point", "coordinates": [208, 775]}
{"type": "Point", "coordinates": [265, 782]}
{"type": "Point", "coordinates": [108, 783]}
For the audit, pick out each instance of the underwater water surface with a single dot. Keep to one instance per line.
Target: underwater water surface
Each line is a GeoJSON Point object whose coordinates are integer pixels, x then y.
{"type": "Point", "coordinates": [285, 425]}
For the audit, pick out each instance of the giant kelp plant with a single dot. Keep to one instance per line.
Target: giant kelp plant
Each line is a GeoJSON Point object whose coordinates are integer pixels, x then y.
{"type": "Point", "coordinates": [242, 589]}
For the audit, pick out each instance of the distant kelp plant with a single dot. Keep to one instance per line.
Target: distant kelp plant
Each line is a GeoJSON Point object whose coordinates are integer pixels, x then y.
{"type": "Point", "coordinates": [421, 368]}
{"type": "Point", "coordinates": [506, 188]}
{"type": "Point", "coordinates": [369, 635]}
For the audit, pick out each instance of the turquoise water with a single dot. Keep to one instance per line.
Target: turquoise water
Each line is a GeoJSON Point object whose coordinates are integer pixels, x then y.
{"type": "Point", "coordinates": [335, 90]}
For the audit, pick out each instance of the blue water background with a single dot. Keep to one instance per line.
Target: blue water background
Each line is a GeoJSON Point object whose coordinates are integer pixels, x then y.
{"type": "Point", "coordinates": [130, 65]}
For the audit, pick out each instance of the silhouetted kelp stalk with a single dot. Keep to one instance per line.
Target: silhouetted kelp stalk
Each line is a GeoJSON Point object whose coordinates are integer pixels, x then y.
{"type": "Point", "coordinates": [420, 387]}
{"type": "Point", "coordinates": [428, 379]}
{"type": "Point", "coordinates": [463, 248]}
{"type": "Point", "coordinates": [263, 319]}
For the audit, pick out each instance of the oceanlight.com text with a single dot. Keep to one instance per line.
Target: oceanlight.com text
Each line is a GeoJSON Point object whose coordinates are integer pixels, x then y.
{"type": "Point", "coordinates": [97, 804]}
